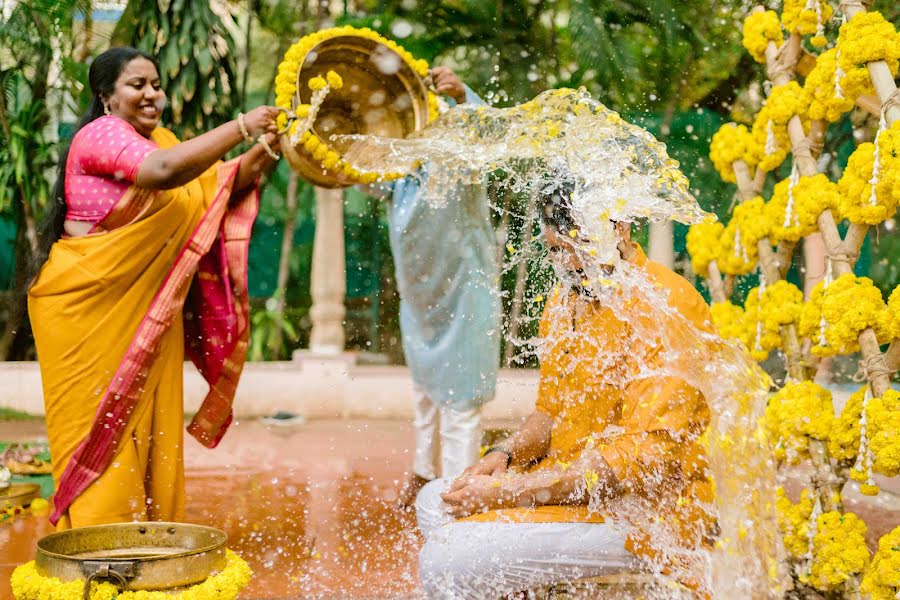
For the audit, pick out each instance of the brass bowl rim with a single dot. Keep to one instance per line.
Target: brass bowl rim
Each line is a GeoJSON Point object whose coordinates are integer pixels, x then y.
{"type": "Point", "coordinates": [27, 489]}
{"type": "Point", "coordinates": [209, 548]}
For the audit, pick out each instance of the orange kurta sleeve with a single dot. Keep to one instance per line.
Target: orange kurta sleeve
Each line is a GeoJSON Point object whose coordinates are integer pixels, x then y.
{"type": "Point", "coordinates": [662, 417]}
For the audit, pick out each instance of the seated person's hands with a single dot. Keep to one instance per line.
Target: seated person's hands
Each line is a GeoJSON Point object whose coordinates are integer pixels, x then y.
{"type": "Point", "coordinates": [492, 463]}
{"type": "Point", "coordinates": [471, 494]}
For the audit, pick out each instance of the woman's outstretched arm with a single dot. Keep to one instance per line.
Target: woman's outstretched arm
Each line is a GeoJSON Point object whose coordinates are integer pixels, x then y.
{"type": "Point", "coordinates": [171, 167]}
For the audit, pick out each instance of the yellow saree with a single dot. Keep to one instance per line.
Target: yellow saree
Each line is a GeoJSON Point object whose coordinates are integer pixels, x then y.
{"type": "Point", "coordinates": [106, 311]}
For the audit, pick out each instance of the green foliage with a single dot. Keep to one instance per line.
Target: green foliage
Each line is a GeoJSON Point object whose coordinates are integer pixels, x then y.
{"type": "Point", "coordinates": [24, 151]}
{"type": "Point", "coordinates": [196, 60]}
{"type": "Point", "coordinates": [266, 324]}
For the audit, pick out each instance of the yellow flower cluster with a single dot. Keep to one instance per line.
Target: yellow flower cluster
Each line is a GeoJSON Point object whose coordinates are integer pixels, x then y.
{"type": "Point", "coordinates": [765, 312]}
{"type": "Point", "coordinates": [797, 413]}
{"type": "Point", "coordinates": [728, 319]}
{"type": "Point", "coordinates": [843, 443]}
{"type": "Point", "coordinates": [798, 16]}
{"type": "Point", "coordinates": [839, 550]}
{"type": "Point", "coordinates": [882, 579]}
{"type": "Point", "coordinates": [771, 142]}
{"type": "Point", "coordinates": [760, 29]}
{"type": "Point", "coordinates": [865, 38]}
{"type": "Point", "coordinates": [794, 211]}
{"type": "Point", "coordinates": [858, 203]}
{"type": "Point", "coordinates": [825, 103]}
{"type": "Point", "coordinates": [703, 244]}
{"type": "Point", "coordinates": [793, 521]}
{"type": "Point", "coordinates": [893, 308]}
{"type": "Point", "coordinates": [28, 584]}
{"type": "Point", "coordinates": [848, 305]}
{"type": "Point", "coordinates": [286, 96]}
{"type": "Point", "coordinates": [731, 143]}
{"type": "Point", "coordinates": [739, 242]}
{"type": "Point", "coordinates": [883, 431]}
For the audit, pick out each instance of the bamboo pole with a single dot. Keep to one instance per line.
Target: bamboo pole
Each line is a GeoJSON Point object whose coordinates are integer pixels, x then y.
{"type": "Point", "coordinates": [715, 283]}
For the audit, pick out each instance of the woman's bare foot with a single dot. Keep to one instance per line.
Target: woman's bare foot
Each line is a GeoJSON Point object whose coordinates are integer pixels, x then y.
{"type": "Point", "coordinates": [410, 490]}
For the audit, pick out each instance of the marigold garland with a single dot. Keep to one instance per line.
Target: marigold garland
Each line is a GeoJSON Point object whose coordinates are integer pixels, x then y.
{"type": "Point", "coordinates": [771, 142]}
{"type": "Point", "coordinates": [758, 337]}
{"type": "Point", "coordinates": [858, 204]}
{"type": "Point", "coordinates": [794, 210]}
{"type": "Point", "coordinates": [825, 101]}
{"type": "Point", "coordinates": [797, 413]}
{"type": "Point", "coordinates": [28, 584]}
{"type": "Point", "coordinates": [848, 305]}
{"type": "Point", "coordinates": [839, 550]}
{"type": "Point", "coordinates": [865, 38]}
{"type": "Point", "coordinates": [807, 17]}
{"type": "Point", "coordinates": [728, 319]}
{"type": "Point", "coordinates": [793, 521]}
{"type": "Point", "coordinates": [843, 442]}
{"type": "Point", "coordinates": [731, 143]}
{"type": "Point", "coordinates": [286, 93]}
{"type": "Point", "coordinates": [893, 308]}
{"type": "Point", "coordinates": [883, 430]}
{"type": "Point", "coordinates": [739, 242]}
{"type": "Point", "coordinates": [760, 29]}
{"type": "Point", "coordinates": [882, 579]}
{"type": "Point", "coordinates": [703, 245]}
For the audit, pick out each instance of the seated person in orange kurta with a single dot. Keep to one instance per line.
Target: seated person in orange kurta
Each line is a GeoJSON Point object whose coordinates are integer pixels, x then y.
{"type": "Point", "coordinates": [606, 475]}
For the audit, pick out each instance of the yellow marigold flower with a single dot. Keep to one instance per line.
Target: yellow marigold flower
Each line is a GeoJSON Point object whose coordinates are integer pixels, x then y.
{"type": "Point", "coordinates": [882, 578]}
{"type": "Point", "coordinates": [839, 550]}
{"type": "Point", "coordinates": [334, 80]}
{"type": "Point", "coordinates": [771, 142]}
{"type": "Point", "coordinates": [728, 319]}
{"type": "Point", "coordinates": [703, 244]}
{"type": "Point", "coordinates": [317, 83]}
{"type": "Point", "coordinates": [883, 431]}
{"type": "Point", "coordinates": [760, 29]}
{"type": "Point", "coordinates": [825, 103]}
{"type": "Point", "coordinates": [798, 16]}
{"type": "Point", "coordinates": [858, 203]}
{"type": "Point", "coordinates": [302, 110]}
{"type": "Point", "coordinates": [893, 307]}
{"type": "Point", "coordinates": [866, 38]}
{"type": "Point", "coordinates": [797, 413]}
{"type": "Point", "coordinates": [793, 521]}
{"type": "Point", "coordinates": [794, 210]}
{"type": "Point", "coordinates": [332, 159]}
{"type": "Point", "coordinates": [846, 306]}
{"type": "Point", "coordinates": [730, 144]}
{"type": "Point", "coordinates": [843, 443]}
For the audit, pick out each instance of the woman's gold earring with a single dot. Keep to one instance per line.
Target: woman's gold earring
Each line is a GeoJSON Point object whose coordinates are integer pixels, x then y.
{"type": "Point", "coordinates": [106, 110]}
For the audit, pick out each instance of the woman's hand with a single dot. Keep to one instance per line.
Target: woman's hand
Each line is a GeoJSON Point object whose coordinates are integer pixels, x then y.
{"type": "Point", "coordinates": [446, 82]}
{"type": "Point", "coordinates": [493, 463]}
{"type": "Point", "coordinates": [261, 120]}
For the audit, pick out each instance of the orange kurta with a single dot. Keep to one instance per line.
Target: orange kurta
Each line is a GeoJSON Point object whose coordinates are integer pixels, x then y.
{"type": "Point", "coordinates": [85, 308]}
{"type": "Point", "coordinates": [646, 427]}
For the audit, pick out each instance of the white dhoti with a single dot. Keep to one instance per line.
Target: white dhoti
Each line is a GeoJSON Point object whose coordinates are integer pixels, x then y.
{"type": "Point", "coordinates": [489, 560]}
{"type": "Point", "coordinates": [460, 437]}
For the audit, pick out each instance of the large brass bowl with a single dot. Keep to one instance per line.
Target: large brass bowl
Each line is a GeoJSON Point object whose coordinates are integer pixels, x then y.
{"type": "Point", "coordinates": [381, 95]}
{"type": "Point", "coordinates": [134, 556]}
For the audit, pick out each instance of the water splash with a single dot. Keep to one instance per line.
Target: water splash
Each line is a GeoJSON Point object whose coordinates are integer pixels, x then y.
{"type": "Point", "coordinates": [606, 170]}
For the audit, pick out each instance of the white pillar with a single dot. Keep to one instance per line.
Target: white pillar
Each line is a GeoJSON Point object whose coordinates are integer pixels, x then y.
{"type": "Point", "coordinates": [662, 243]}
{"type": "Point", "coordinates": [328, 278]}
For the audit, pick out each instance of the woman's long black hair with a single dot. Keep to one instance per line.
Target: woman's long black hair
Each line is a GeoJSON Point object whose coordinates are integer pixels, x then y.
{"type": "Point", "coordinates": [102, 76]}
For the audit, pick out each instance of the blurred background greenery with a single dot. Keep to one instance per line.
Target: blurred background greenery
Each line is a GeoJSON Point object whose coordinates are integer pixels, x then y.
{"type": "Point", "coordinates": [674, 67]}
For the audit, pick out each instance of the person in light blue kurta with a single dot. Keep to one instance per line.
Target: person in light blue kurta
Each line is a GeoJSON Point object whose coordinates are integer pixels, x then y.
{"type": "Point", "coordinates": [445, 260]}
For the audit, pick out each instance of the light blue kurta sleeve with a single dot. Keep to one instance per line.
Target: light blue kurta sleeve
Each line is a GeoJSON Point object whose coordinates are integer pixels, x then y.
{"type": "Point", "coordinates": [447, 274]}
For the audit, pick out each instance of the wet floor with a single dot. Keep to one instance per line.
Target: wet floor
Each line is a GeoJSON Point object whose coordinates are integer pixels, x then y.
{"type": "Point", "coordinates": [312, 508]}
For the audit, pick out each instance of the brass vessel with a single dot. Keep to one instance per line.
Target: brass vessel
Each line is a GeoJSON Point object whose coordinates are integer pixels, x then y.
{"type": "Point", "coordinates": [381, 95]}
{"type": "Point", "coordinates": [19, 494]}
{"type": "Point", "coordinates": [133, 556]}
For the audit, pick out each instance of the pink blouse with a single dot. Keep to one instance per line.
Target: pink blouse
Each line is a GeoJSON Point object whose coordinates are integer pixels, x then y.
{"type": "Point", "coordinates": [103, 162]}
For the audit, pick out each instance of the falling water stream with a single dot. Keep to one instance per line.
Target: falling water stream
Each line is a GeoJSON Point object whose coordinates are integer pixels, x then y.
{"type": "Point", "coordinates": [615, 171]}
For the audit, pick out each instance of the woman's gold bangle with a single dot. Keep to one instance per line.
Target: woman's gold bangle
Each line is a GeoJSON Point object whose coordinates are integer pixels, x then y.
{"type": "Point", "coordinates": [247, 137]}
{"type": "Point", "coordinates": [268, 148]}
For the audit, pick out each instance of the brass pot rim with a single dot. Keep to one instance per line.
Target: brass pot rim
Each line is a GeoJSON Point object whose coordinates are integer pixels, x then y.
{"type": "Point", "coordinates": [220, 543]}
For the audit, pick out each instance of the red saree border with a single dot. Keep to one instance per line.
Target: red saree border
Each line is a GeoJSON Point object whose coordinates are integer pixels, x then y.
{"type": "Point", "coordinates": [97, 450]}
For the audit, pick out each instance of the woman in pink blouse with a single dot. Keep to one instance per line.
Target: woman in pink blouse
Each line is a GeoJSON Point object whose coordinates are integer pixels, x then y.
{"type": "Point", "coordinates": [144, 259]}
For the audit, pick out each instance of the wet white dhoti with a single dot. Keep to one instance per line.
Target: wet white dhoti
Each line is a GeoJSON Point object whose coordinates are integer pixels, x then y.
{"type": "Point", "coordinates": [460, 437]}
{"type": "Point", "coordinates": [489, 560]}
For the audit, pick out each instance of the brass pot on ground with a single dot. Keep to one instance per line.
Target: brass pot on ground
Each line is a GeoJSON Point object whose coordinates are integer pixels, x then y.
{"type": "Point", "coordinates": [134, 556]}
{"type": "Point", "coordinates": [381, 95]}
